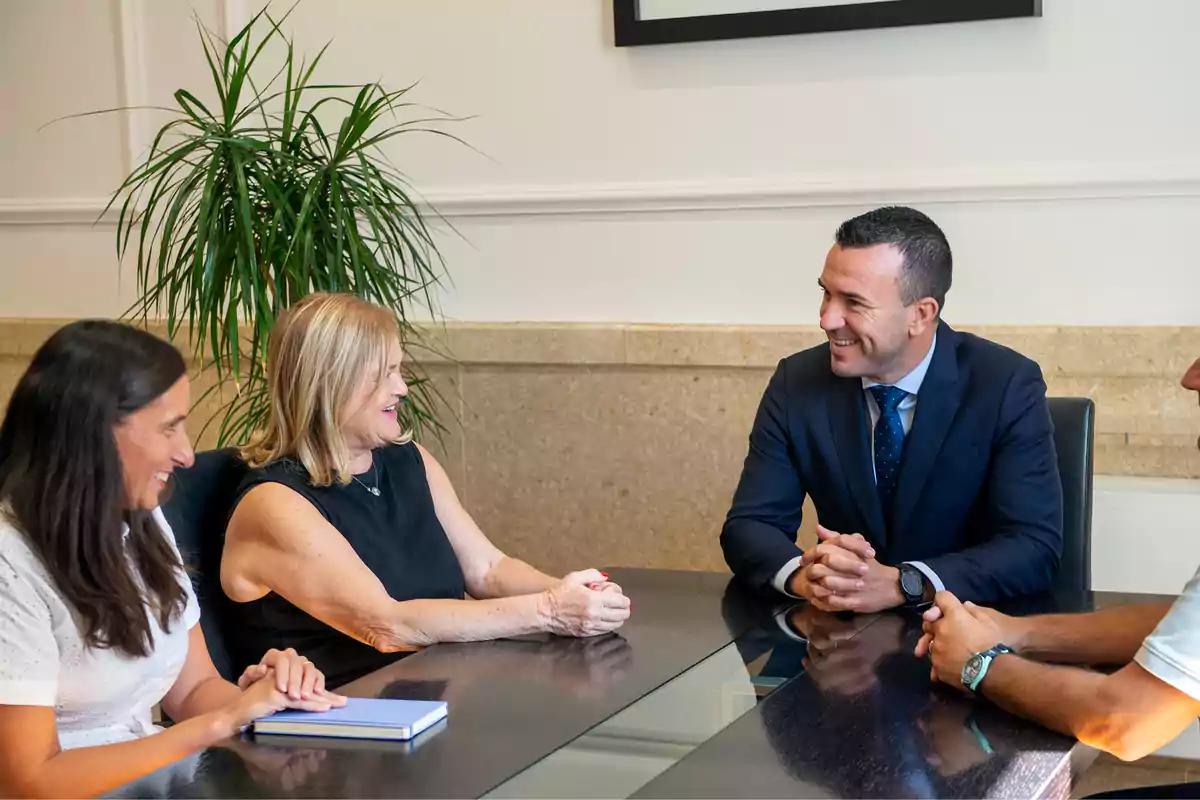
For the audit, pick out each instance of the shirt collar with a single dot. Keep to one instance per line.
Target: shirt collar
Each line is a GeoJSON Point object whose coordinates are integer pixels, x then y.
{"type": "Point", "coordinates": [911, 382]}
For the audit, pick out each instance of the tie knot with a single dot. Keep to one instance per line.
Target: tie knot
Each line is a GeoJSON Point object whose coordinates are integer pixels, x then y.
{"type": "Point", "coordinates": [888, 398]}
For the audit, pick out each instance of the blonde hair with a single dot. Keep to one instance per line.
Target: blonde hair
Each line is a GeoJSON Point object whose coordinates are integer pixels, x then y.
{"type": "Point", "coordinates": [319, 350]}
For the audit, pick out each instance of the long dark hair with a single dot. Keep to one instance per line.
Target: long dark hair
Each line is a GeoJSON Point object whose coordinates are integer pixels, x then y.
{"type": "Point", "coordinates": [62, 484]}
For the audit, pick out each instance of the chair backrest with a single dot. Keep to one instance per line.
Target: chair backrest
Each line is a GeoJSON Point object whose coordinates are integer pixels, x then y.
{"type": "Point", "coordinates": [198, 510]}
{"type": "Point", "coordinates": [1074, 438]}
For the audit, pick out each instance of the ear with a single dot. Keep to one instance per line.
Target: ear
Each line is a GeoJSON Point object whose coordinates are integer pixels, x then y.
{"type": "Point", "coordinates": [923, 315]}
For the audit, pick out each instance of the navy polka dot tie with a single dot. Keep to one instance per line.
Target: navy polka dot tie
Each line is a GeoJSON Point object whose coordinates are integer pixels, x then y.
{"type": "Point", "coordinates": [889, 444]}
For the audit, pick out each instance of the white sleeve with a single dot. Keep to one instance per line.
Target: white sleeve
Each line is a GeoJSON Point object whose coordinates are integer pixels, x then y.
{"type": "Point", "coordinates": [1172, 652]}
{"type": "Point", "coordinates": [780, 581]}
{"type": "Point", "coordinates": [191, 614]}
{"type": "Point", "coordinates": [29, 658]}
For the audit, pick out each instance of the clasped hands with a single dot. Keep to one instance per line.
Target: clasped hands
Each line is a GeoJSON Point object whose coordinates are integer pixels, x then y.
{"type": "Point", "coordinates": [953, 631]}
{"type": "Point", "coordinates": [841, 574]}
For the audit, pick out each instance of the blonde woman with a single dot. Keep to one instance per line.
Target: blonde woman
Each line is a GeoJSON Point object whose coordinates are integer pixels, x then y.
{"type": "Point", "coordinates": [348, 539]}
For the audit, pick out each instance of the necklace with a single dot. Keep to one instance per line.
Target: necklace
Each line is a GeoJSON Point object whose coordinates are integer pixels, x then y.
{"type": "Point", "coordinates": [372, 489]}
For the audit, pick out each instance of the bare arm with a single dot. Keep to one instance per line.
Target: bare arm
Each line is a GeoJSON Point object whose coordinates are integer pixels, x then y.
{"type": "Point", "coordinates": [1111, 636]}
{"type": "Point", "coordinates": [199, 688]}
{"type": "Point", "coordinates": [278, 542]}
{"type": "Point", "coordinates": [207, 708]}
{"type": "Point", "coordinates": [488, 572]}
{"type": "Point", "coordinates": [1129, 714]}
{"type": "Point", "coordinates": [33, 765]}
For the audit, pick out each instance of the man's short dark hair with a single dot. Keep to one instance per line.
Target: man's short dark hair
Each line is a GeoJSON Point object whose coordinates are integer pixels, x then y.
{"type": "Point", "coordinates": [928, 264]}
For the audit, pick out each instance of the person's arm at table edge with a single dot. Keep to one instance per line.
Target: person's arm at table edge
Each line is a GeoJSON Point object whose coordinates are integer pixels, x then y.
{"type": "Point", "coordinates": [208, 710]}
{"type": "Point", "coordinates": [1129, 713]}
{"type": "Point", "coordinates": [277, 541]}
{"type": "Point", "coordinates": [1109, 636]}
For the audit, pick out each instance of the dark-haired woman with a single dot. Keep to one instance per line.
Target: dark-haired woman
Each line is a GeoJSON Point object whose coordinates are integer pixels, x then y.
{"type": "Point", "coordinates": [97, 617]}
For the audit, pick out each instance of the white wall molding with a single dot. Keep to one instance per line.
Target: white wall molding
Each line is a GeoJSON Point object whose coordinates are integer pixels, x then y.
{"type": "Point", "coordinates": [234, 17]}
{"type": "Point", "coordinates": [130, 29]}
{"type": "Point", "coordinates": [829, 192]}
{"type": "Point", "coordinates": [643, 198]}
{"type": "Point", "coordinates": [51, 211]}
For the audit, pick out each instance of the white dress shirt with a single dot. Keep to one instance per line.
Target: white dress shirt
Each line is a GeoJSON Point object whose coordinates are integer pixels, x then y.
{"type": "Point", "coordinates": [910, 383]}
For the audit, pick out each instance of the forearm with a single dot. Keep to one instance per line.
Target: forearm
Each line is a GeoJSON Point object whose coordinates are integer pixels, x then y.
{"type": "Point", "coordinates": [509, 577]}
{"type": "Point", "coordinates": [1058, 697]}
{"type": "Point", "coordinates": [91, 771]}
{"type": "Point", "coordinates": [1111, 636]}
{"type": "Point", "coordinates": [210, 695]}
{"type": "Point", "coordinates": [420, 623]}
{"type": "Point", "coordinates": [1128, 714]}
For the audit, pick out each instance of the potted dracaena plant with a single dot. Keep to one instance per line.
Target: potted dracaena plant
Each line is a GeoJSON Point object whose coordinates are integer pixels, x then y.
{"type": "Point", "coordinates": [247, 202]}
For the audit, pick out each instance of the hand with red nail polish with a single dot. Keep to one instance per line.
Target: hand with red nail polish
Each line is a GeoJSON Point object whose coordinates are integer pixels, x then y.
{"type": "Point", "coordinates": [584, 604]}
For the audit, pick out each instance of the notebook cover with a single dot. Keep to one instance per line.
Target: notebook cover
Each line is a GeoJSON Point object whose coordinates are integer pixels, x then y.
{"type": "Point", "coordinates": [379, 712]}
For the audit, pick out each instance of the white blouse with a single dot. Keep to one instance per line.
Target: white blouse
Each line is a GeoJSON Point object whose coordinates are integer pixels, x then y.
{"type": "Point", "coordinates": [99, 696]}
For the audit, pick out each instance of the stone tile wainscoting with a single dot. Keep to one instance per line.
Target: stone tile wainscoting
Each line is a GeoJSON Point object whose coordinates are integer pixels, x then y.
{"type": "Point", "coordinates": [586, 445]}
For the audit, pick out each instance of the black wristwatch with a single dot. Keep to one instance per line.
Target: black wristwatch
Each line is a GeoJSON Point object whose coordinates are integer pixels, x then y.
{"type": "Point", "coordinates": [912, 584]}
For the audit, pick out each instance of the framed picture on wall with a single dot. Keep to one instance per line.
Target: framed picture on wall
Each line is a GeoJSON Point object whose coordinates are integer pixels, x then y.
{"type": "Point", "coordinates": [637, 22]}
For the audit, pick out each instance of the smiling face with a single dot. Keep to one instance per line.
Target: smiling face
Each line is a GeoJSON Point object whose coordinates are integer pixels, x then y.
{"type": "Point", "coordinates": [872, 333]}
{"type": "Point", "coordinates": [151, 443]}
{"type": "Point", "coordinates": [371, 417]}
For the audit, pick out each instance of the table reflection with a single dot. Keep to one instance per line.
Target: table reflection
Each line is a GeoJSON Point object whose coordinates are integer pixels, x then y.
{"type": "Point", "coordinates": [864, 720]}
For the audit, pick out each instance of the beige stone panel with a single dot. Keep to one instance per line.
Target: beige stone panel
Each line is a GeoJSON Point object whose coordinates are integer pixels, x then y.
{"type": "Point", "coordinates": [448, 448]}
{"type": "Point", "coordinates": [1146, 461]}
{"type": "Point", "coordinates": [1149, 352]}
{"type": "Point", "coordinates": [430, 344]}
{"type": "Point", "coordinates": [11, 370]}
{"type": "Point", "coordinates": [204, 421]}
{"type": "Point", "coordinates": [1111, 439]}
{"type": "Point", "coordinates": [1157, 352]}
{"type": "Point", "coordinates": [577, 467]}
{"type": "Point", "coordinates": [1038, 343]}
{"type": "Point", "coordinates": [721, 346]}
{"type": "Point", "coordinates": [23, 337]}
{"type": "Point", "coordinates": [1187, 440]}
{"type": "Point", "coordinates": [1134, 404]}
{"type": "Point", "coordinates": [538, 343]}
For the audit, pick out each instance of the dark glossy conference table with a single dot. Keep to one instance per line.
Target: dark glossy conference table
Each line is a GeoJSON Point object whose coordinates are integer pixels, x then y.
{"type": "Point", "coordinates": [708, 691]}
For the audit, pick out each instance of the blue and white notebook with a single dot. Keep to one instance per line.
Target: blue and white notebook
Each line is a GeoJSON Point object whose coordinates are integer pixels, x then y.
{"type": "Point", "coordinates": [360, 718]}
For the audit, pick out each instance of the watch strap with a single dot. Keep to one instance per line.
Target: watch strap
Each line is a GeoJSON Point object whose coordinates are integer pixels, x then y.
{"type": "Point", "coordinates": [987, 656]}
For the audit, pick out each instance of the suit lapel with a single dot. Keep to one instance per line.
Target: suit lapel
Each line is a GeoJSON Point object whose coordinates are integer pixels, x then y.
{"type": "Point", "coordinates": [937, 405]}
{"type": "Point", "coordinates": [848, 421]}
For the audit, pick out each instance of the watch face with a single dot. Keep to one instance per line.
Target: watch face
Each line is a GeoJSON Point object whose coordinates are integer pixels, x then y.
{"type": "Point", "coordinates": [911, 582]}
{"type": "Point", "coordinates": [971, 669]}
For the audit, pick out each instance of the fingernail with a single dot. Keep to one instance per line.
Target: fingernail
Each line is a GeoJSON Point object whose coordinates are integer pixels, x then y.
{"type": "Point", "coordinates": [605, 574]}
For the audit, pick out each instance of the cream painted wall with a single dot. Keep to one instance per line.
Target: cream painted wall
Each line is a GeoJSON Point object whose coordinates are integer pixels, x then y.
{"type": "Point", "coordinates": [679, 183]}
{"type": "Point", "coordinates": [689, 183]}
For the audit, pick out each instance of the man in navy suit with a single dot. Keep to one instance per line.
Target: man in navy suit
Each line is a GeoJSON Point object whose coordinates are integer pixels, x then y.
{"type": "Point", "coordinates": [928, 453]}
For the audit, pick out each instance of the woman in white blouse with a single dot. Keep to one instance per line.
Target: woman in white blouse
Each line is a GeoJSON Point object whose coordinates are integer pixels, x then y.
{"type": "Point", "coordinates": [97, 617]}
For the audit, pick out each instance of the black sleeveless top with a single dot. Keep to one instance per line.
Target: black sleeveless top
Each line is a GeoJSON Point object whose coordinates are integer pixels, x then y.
{"type": "Point", "coordinates": [396, 534]}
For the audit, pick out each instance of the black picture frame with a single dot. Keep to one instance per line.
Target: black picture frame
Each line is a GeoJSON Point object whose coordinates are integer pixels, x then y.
{"type": "Point", "coordinates": [629, 30]}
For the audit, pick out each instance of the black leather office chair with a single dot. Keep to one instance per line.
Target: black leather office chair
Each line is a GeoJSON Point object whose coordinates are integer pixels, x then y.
{"type": "Point", "coordinates": [198, 510]}
{"type": "Point", "coordinates": [1074, 438]}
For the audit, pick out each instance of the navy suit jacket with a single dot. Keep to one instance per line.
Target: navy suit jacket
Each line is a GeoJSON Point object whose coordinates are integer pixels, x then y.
{"type": "Point", "coordinates": [978, 499]}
